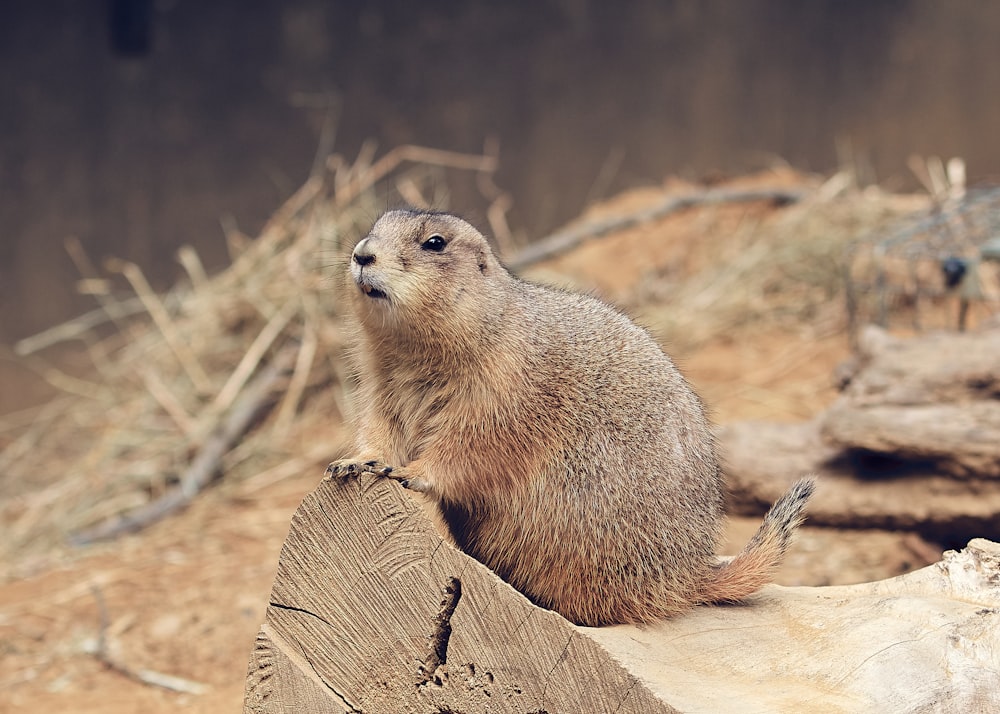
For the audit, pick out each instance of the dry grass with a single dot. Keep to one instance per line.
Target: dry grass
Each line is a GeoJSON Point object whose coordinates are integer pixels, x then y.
{"type": "Point", "coordinates": [783, 271]}
{"type": "Point", "coordinates": [165, 382]}
{"type": "Point", "coordinates": [168, 379]}
{"type": "Point", "coordinates": [717, 270]}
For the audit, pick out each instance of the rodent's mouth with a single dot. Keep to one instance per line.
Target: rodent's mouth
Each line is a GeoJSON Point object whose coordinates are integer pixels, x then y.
{"type": "Point", "coordinates": [372, 292]}
{"type": "Point", "coordinates": [367, 282]}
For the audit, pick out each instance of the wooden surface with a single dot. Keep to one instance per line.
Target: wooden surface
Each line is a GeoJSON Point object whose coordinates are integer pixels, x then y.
{"type": "Point", "coordinates": [962, 440]}
{"type": "Point", "coordinates": [933, 398]}
{"type": "Point", "coordinates": [371, 611]}
{"type": "Point", "coordinates": [762, 460]}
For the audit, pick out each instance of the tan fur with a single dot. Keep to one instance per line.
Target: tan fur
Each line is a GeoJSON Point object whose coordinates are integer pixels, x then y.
{"type": "Point", "coordinates": [563, 447]}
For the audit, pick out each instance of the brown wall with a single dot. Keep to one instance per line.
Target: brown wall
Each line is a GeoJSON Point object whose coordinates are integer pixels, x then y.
{"type": "Point", "coordinates": [136, 156]}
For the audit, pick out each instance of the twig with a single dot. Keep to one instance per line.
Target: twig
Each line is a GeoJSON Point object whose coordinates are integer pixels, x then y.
{"type": "Point", "coordinates": [496, 214]}
{"type": "Point", "coordinates": [605, 175]}
{"type": "Point", "coordinates": [162, 319]}
{"type": "Point", "coordinates": [12, 421]}
{"type": "Point", "coordinates": [485, 179]}
{"type": "Point", "coordinates": [36, 430]}
{"type": "Point", "coordinates": [206, 464]}
{"type": "Point", "coordinates": [143, 676]}
{"type": "Point", "coordinates": [327, 135]}
{"type": "Point", "coordinates": [78, 326]}
{"type": "Point", "coordinates": [253, 356]}
{"type": "Point", "coordinates": [62, 381]}
{"type": "Point", "coordinates": [286, 469]}
{"type": "Point", "coordinates": [189, 260]}
{"type": "Point", "coordinates": [361, 180]}
{"type": "Point", "coordinates": [250, 402]}
{"type": "Point", "coordinates": [344, 173]}
{"type": "Point", "coordinates": [102, 623]}
{"type": "Point", "coordinates": [166, 399]}
{"type": "Point", "coordinates": [236, 240]}
{"type": "Point", "coordinates": [87, 270]}
{"type": "Point", "coordinates": [564, 240]}
{"type": "Point", "coordinates": [300, 378]}
{"type": "Point", "coordinates": [408, 189]}
{"type": "Point", "coordinates": [276, 230]}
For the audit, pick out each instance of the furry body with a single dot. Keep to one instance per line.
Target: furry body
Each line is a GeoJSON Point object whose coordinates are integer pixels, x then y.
{"type": "Point", "coordinates": [563, 447]}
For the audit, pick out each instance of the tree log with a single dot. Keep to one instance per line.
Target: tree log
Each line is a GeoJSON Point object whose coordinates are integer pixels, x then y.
{"type": "Point", "coordinates": [854, 490]}
{"type": "Point", "coordinates": [932, 368]}
{"type": "Point", "coordinates": [962, 440]}
{"type": "Point", "coordinates": [372, 611]}
{"type": "Point", "coordinates": [933, 398]}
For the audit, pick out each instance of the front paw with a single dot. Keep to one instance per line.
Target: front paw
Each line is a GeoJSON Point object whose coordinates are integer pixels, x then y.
{"type": "Point", "coordinates": [409, 479]}
{"type": "Point", "coordinates": [348, 468]}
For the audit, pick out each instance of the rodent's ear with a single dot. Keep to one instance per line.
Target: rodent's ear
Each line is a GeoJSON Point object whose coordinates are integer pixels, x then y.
{"type": "Point", "coordinates": [481, 256]}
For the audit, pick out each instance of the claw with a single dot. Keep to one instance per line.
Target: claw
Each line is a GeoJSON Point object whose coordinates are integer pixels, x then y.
{"type": "Point", "coordinates": [341, 469]}
{"type": "Point", "coordinates": [348, 468]}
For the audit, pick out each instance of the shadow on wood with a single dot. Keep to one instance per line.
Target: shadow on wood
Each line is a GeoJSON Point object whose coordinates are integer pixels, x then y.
{"type": "Point", "coordinates": [372, 611]}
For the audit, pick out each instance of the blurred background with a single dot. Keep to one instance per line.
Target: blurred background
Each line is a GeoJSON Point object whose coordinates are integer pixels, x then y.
{"type": "Point", "coordinates": [141, 125]}
{"type": "Point", "coordinates": [254, 132]}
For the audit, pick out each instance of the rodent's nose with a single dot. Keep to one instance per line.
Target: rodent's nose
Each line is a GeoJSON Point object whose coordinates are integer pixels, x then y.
{"type": "Point", "coordinates": [363, 255]}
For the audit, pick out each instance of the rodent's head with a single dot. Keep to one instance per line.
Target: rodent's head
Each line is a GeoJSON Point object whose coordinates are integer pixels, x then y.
{"type": "Point", "coordinates": [424, 270]}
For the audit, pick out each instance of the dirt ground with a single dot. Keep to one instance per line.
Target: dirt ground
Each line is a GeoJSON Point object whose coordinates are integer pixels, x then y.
{"type": "Point", "coordinates": [79, 628]}
{"type": "Point", "coordinates": [186, 597]}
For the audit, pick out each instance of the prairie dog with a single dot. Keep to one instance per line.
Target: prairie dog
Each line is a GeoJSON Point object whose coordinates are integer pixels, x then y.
{"type": "Point", "coordinates": [563, 447]}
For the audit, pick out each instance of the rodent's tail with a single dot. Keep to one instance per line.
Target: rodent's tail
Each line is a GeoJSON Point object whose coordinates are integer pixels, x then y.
{"type": "Point", "coordinates": [754, 567]}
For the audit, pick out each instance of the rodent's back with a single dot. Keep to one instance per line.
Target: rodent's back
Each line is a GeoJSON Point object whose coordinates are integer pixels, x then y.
{"type": "Point", "coordinates": [625, 512]}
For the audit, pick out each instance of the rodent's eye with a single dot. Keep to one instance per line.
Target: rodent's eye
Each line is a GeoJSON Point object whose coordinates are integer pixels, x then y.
{"type": "Point", "coordinates": [435, 243]}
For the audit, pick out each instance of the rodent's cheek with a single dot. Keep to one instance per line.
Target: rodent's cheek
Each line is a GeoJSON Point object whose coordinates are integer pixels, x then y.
{"type": "Point", "coordinates": [406, 290]}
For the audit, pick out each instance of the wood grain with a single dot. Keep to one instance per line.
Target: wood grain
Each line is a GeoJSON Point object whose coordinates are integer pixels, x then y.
{"type": "Point", "coordinates": [371, 611]}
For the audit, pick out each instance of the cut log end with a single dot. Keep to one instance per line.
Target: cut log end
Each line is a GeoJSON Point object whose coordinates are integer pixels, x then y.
{"type": "Point", "coordinates": [372, 611]}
